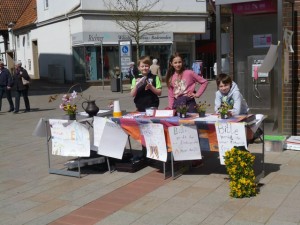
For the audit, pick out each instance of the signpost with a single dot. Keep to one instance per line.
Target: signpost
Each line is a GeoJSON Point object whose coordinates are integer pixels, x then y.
{"type": "Point", "coordinates": [125, 55]}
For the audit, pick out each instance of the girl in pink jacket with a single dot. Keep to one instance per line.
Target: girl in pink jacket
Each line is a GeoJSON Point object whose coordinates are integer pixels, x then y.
{"type": "Point", "coordinates": [181, 84]}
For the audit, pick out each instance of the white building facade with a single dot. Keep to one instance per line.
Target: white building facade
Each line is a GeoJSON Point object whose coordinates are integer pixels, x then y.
{"type": "Point", "coordinates": [78, 40]}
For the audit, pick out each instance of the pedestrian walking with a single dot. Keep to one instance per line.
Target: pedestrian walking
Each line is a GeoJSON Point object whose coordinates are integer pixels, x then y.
{"type": "Point", "coordinates": [6, 83]}
{"type": "Point", "coordinates": [21, 87]}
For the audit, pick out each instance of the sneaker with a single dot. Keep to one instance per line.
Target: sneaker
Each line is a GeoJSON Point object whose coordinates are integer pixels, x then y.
{"type": "Point", "coordinates": [16, 111]}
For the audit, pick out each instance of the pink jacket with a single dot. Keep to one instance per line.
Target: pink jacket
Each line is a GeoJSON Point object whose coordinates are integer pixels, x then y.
{"type": "Point", "coordinates": [185, 85]}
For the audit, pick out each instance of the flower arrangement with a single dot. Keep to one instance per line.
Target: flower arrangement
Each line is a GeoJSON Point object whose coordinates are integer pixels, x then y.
{"type": "Point", "coordinates": [68, 104]}
{"type": "Point", "coordinates": [224, 110]}
{"type": "Point", "coordinates": [68, 100]}
{"type": "Point", "coordinates": [182, 110]}
{"type": "Point", "coordinates": [201, 107]}
{"type": "Point", "coordinates": [239, 165]}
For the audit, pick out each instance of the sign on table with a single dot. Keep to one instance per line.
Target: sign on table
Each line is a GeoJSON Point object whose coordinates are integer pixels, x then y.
{"type": "Point", "coordinates": [109, 137]}
{"type": "Point", "coordinates": [69, 138]}
{"type": "Point", "coordinates": [185, 143]}
{"type": "Point", "coordinates": [230, 135]}
{"type": "Point", "coordinates": [155, 141]}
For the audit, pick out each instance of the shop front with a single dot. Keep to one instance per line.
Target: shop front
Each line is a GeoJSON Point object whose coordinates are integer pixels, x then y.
{"type": "Point", "coordinates": [96, 55]}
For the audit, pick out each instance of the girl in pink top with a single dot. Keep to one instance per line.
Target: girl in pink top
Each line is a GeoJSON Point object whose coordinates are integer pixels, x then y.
{"type": "Point", "coordinates": [181, 84]}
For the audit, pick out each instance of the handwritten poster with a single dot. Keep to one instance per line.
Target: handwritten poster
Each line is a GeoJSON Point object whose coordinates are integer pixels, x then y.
{"type": "Point", "coordinates": [230, 135]}
{"type": "Point", "coordinates": [69, 138]}
{"type": "Point", "coordinates": [109, 137]}
{"type": "Point", "coordinates": [185, 143]}
{"type": "Point", "coordinates": [155, 141]}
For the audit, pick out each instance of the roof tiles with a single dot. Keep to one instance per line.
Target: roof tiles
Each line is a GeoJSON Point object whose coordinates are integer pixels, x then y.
{"type": "Point", "coordinates": [21, 12]}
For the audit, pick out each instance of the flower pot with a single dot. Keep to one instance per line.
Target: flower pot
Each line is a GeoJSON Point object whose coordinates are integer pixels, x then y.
{"type": "Point", "coordinates": [225, 116]}
{"type": "Point", "coordinates": [182, 115]}
{"type": "Point", "coordinates": [72, 116]}
{"type": "Point", "coordinates": [202, 114]}
{"type": "Point", "coordinates": [90, 107]}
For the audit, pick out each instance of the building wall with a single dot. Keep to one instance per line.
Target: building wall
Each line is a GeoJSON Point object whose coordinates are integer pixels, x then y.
{"type": "Point", "coordinates": [55, 45]}
{"type": "Point", "coordinates": [56, 8]}
{"type": "Point", "coordinates": [187, 6]}
{"type": "Point", "coordinates": [57, 24]}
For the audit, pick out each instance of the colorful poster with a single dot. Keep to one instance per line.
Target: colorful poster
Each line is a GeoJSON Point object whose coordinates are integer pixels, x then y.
{"type": "Point", "coordinates": [69, 138]}
{"type": "Point", "coordinates": [185, 143]}
{"type": "Point", "coordinates": [230, 135]}
{"type": "Point", "coordinates": [155, 141]}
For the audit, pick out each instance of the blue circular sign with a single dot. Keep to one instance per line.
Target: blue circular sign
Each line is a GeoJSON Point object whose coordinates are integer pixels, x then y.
{"type": "Point", "coordinates": [125, 49]}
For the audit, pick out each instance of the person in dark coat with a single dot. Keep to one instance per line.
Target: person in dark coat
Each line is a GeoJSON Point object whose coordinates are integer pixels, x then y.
{"type": "Point", "coordinates": [21, 89]}
{"type": "Point", "coordinates": [6, 82]}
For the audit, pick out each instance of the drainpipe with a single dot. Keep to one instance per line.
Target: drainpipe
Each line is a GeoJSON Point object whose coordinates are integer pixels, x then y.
{"type": "Point", "coordinates": [69, 25]}
{"type": "Point", "coordinates": [295, 81]}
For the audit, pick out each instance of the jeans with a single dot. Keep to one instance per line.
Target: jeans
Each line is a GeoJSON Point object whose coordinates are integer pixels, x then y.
{"type": "Point", "coordinates": [3, 90]}
{"type": "Point", "coordinates": [25, 97]}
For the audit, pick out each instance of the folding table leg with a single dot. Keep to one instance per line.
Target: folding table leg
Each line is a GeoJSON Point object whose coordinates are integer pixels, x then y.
{"type": "Point", "coordinates": [172, 166]}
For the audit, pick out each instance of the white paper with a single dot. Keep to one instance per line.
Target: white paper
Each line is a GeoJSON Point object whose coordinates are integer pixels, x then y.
{"type": "Point", "coordinates": [258, 120]}
{"type": "Point", "coordinates": [140, 82]}
{"type": "Point", "coordinates": [112, 138]}
{"type": "Point", "coordinates": [209, 118]}
{"type": "Point", "coordinates": [230, 135]}
{"type": "Point", "coordinates": [294, 139]}
{"type": "Point", "coordinates": [69, 138]}
{"type": "Point", "coordinates": [185, 142]}
{"type": "Point", "coordinates": [99, 124]}
{"type": "Point", "coordinates": [287, 38]}
{"type": "Point", "coordinates": [155, 141]}
{"type": "Point", "coordinates": [269, 60]}
{"type": "Point", "coordinates": [164, 113]}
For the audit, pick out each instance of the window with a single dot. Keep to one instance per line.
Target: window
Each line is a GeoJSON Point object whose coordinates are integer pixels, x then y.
{"type": "Point", "coordinates": [46, 4]}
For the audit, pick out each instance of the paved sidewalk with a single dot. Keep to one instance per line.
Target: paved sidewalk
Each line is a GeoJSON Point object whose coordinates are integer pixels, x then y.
{"type": "Point", "coordinates": [29, 195]}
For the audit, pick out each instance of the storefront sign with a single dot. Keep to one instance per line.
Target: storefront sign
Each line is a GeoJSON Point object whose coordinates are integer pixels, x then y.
{"type": "Point", "coordinates": [264, 6]}
{"type": "Point", "coordinates": [90, 38]}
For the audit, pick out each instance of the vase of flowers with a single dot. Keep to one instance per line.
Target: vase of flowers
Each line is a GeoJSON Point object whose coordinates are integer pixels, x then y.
{"type": "Point", "coordinates": [201, 108]}
{"type": "Point", "coordinates": [182, 110]}
{"type": "Point", "coordinates": [224, 110]}
{"type": "Point", "coordinates": [70, 100]}
{"type": "Point", "coordinates": [239, 165]}
{"type": "Point", "coordinates": [69, 105]}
